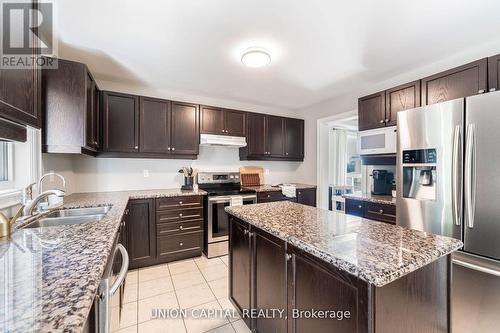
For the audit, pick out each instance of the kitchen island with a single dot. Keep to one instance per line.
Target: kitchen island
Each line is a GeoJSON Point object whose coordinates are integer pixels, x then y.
{"type": "Point", "coordinates": [304, 269]}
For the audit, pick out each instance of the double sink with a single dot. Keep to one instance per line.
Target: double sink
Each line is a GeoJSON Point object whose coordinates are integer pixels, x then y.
{"type": "Point", "coordinates": [70, 216]}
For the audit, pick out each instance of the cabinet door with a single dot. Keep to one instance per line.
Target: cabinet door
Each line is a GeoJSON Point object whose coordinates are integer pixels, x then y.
{"type": "Point", "coordinates": [235, 123]}
{"type": "Point", "coordinates": [154, 124]}
{"type": "Point", "coordinates": [294, 138]}
{"type": "Point", "coordinates": [307, 196]}
{"type": "Point", "coordinates": [354, 207]}
{"type": "Point", "coordinates": [97, 117]}
{"type": "Point", "coordinates": [185, 129]}
{"type": "Point", "coordinates": [120, 122]}
{"type": "Point", "coordinates": [275, 132]}
{"type": "Point", "coordinates": [494, 72]}
{"type": "Point", "coordinates": [239, 264]}
{"type": "Point", "coordinates": [269, 285]}
{"type": "Point", "coordinates": [141, 232]}
{"type": "Point", "coordinates": [256, 136]}
{"type": "Point", "coordinates": [315, 285]}
{"type": "Point", "coordinates": [403, 97]}
{"type": "Point", "coordinates": [371, 111]}
{"type": "Point", "coordinates": [90, 133]}
{"type": "Point", "coordinates": [380, 212]}
{"type": "Point", "coordinates": [212, 120]}
{"type": "Point", "coordinates": [463, 81]}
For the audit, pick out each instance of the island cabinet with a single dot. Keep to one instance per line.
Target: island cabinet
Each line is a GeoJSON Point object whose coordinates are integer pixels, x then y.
{"type": "Point", "coordinates": [306, 196]}
{"type": "Point", "coordinates": [71, 109]}
{"type": "Point", "coordinates": [268, 273]}
{"type": "Point", "coordinates": [163, 229]}
{"type": "Point", "coordinates": [371, 210]}
{"type": "Point", "coordinates": [219, 121]}
{"type": "Point", "coordinates": [273, 138]}
{"type": "Point", "coordinates": [145, 127]}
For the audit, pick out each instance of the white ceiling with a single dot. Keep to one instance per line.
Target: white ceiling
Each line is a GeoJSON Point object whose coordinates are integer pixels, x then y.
{"type": "Point", "coordinates": [320, 48]}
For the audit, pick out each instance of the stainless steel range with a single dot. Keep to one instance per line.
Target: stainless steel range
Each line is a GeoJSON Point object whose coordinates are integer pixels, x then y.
{"type": "Point", "coordinates": [224, 189]}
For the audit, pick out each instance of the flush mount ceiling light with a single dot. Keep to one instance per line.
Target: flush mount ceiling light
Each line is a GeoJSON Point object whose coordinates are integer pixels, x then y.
{"type": "Point", "coordinates": [256, 57]}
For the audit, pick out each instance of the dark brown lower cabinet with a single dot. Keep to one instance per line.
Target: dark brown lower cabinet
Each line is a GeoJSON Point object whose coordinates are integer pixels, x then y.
{"type": "Point", "coordinates": [267, 273]}
{"type": "Point", "coordinates": [141, 232]}
{"type": "Point", "coordinates": [307, 197]}
{"type": "Point", "coordinates": [371, 210]}
{"type": "Point", "coordinates": [304, 196]}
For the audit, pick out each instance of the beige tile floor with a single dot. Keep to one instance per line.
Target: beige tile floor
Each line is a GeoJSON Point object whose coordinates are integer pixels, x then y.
{"type": "Point", "coordinates": [198, 283]}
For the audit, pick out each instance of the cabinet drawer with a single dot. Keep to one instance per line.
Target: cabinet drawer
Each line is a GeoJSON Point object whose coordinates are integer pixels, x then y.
{"type": "Point", "coordinates": [166, 229]}
{"type": "Point", "coordinates": [177, 215]}
{"type": "Point", "coordinates": [179, 246]}
{"type": "Point", "coordinates": [354, 207]}
{"type": "Point", "coordinates": [179, 202]}
{"type": "Point", "coordinates": [272, 196]}
{"type": "Point", "coordinates": [380, 212]}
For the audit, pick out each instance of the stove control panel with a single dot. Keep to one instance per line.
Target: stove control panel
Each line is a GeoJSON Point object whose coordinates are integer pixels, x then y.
{"type": "Point", "coordinates": [218, 177]}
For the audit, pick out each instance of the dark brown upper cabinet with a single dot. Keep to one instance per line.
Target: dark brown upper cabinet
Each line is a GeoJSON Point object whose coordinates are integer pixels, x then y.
{"type": "Point", "coordinates": [275, 134]}
{"type": "Point", "coordinates": [220, 121]}
{"type": "Point", "coordinates": [185, 129]}
{"type": "Point", "coordinates": [494, 72]}
{"type": "Point", "coordinates": [120, 122]}
{"type": "Point", "coordinates": [154, 125]}
{"type": "Point", "coordinates": [20, 89]}
{"type": "Point", "coordinates": [467, 80]}
{"type": "Point", "coordinates": [403, 97]}
{"type": "Point", "coordinates": [371, 111]}
{"type": "Point", "coordinates": [71, 109]}
{"type": "Point", "coordinates": [294, 138]}
{"type": "Point", "coordinates": [273, 138]}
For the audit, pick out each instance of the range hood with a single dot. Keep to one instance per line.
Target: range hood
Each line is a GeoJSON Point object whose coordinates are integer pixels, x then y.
{"type": "Point", "coordinates": [222, 140]}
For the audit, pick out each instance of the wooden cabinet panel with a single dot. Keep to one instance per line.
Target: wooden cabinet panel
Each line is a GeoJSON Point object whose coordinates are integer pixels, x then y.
{"type": "Point", "coordinates": [307, 197]}
{"type": "Point", "coordinates": [294, 138]}
{"type": "Point", "coordinates": [120, 122]}
{"type": "Point", "coordinates": [179, 202]}
{"type": "Point", "coordinates": [179, 246]}
{"type": "Point", "coordinates": [269, 285]}
{"type": "Point", "coordinates": [275, 136]}
{"type": "Point", "coordinates": [235, 123]}
{"type": "Point", "coordinates": [272, 196]}
{"type": "Point", "coordinates": [403, 97]}
{"type": "Point", "coordinates": [154, 125]}
{"type": "Point", "coordinates": [494, 72]}
{"type": "Point", "coordinates": [212, 120]}
{"type": "Point", "coordinates": [354, 207]}
{"type": "Point", "coordinates": [239, 265]}
{"type": "Point", "coordinates": [380, 212]}
{"type": "Point", "coordinates": [315, 285]}
{"type": "Point", "coordinates": [167, 229]}
{"type": "Point", "coordinates": [90, 101]}
{"type": "Point", "coordinates": [256, 139]}
{"type": "Point", "coordinates": [141, 230]}
{"type": "Point", "coordinates": [176, 215]}
{"type": "Point", "coordinates": [185, 129]}
{"type": "Point", "coordinates": [467, 80]}
{"type": "Point", "coordinates": [371, 111]}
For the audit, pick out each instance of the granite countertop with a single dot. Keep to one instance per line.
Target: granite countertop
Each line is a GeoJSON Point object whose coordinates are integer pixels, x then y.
{"type": "Point", "coordinates": [50, 275]}
{"type": "Point", "coordinates": [383, 199]}
{"type": "Point", "coordinates": [375, 252]}
{"type": "Point", "coordinates": [268, 187]}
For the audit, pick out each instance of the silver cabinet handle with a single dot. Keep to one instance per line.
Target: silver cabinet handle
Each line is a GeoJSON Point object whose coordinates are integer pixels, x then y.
{"type": "Point", "coordinates": [181, 227]}
{"type": "Point", "coordinates": [136, 147]}
{"type": "Point", "coordinates": [359, 206]}
{"type": "Point", "coordinates": [476, 267]}
{"type": "Point", "coordinates": [386, 120]}
{"type": "Point", "coordinates": [481, 91]}
{"type": "Point", "coordinates": [181, 244]}
{"type": "Point", "coordinates": [456, 188]}
{"type": "Point", "coordinates": [245, 232]}
{"type": "Point", "coordinates": [492, 89]}
{"type": "Point", "coordinates": [180, 202]}
{"type": "Point", "coordinates": [470, 175]}
{"type": "Point", "coordinates": [381, 121]}
{"type": "Point", "coordinates": [180, 214]}
{"type": "Point", "coordinates": [173, 148]}
{"type": "Point", "coordinates": [168, 148]}
{"type": "Point", "coordinates": [288, 256]}
{"type": "Point", "coordinates": [381, 211]}
{"type": "Point", "coordinates": [123, 270]}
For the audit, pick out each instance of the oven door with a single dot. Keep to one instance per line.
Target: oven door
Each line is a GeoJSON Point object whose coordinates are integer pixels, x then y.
{"type": "Point", "coordinates": [218, 219]}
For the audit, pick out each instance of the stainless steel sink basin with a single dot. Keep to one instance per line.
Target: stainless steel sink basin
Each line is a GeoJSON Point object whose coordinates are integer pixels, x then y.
{"type": "Point", "coordinates": [80, 211]}
{"type": "Point", "coordinates": [66, 220]}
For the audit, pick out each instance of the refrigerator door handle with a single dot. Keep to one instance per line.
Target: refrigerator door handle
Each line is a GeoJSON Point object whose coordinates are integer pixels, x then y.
{"type": "Point", "coordinates": [476, 267]}
{"type": "Point", "coordinates": [456, 176]}
{"type": "Point", "coordinates": [470, 175]}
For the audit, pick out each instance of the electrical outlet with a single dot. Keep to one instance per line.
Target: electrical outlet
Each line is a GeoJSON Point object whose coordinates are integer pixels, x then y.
{"type": "Point", "coordinates": [266, 171]}
{"type": "Point", "coordinates": [146, 173]}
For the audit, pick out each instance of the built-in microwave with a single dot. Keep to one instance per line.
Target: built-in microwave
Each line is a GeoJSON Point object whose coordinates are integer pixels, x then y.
{"type": "Point", "coordinates": [377, 141]}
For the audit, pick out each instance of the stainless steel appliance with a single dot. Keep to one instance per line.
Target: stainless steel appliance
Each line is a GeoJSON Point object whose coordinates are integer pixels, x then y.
{"type": "Point", "coordinates": [448, 183]}
{"type": "Point", "coordinates": [224, 189]}
{"type": "Point", "coordinates": [222, 140]}
{"type": "Point", "coordinates": [109, 300]}
{"type": "Point", "coordinates": [377, 141]}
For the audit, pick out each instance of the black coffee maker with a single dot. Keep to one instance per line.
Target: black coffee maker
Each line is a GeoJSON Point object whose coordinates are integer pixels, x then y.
{"type": "Point", "coordinates": [382, 182]}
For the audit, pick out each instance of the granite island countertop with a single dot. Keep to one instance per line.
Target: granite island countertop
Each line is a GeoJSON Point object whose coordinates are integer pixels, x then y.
{"type": "Point", "coordinates": [50, 275]}
{"type": "Point", "coordinates": [270, 188]}
{"type": "Point", "coordinates": [382, 199]}
{"type": "Point", "coordinates": [375, 252]}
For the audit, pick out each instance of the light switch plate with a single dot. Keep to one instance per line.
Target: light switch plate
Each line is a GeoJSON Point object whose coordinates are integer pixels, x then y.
{"type": "Point", "coordinates": [146, 173]}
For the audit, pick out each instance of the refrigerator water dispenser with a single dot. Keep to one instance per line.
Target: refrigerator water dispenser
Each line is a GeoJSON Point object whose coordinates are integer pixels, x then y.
{"type": "Point", "coordinates": [419, 174]}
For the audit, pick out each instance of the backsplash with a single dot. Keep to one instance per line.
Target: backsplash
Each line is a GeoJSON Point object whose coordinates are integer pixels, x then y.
{"type": "Point", "coordinates": [89, 174]}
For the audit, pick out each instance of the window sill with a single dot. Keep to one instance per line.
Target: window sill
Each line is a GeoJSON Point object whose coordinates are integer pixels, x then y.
{"type": "Point", "coordinates": [10, 198]}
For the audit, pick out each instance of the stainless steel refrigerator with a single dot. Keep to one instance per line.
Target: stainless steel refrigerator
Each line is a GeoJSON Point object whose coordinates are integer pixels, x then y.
{"type": "Point", "coordinates": [448, 183]}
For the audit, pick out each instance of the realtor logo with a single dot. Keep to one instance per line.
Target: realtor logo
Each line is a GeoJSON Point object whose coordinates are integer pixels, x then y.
{"type": "Point", "coordinates": [27, 34]}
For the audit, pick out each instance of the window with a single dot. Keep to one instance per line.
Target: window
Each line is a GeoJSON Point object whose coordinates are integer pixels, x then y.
{"type": "Point", "coordinates": [6, 165]}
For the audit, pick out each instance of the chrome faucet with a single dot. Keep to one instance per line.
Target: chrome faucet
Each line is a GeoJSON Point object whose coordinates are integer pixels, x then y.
{"type": "Point", "coordinates": [40, 182]}
{"type": "Point", "coordinates": [28, 209]}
